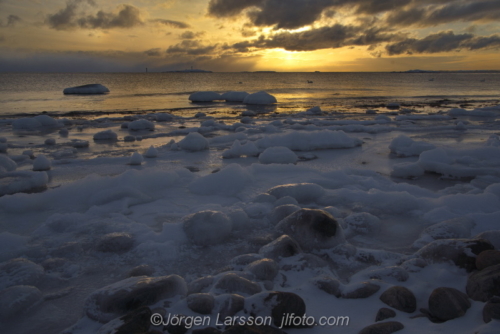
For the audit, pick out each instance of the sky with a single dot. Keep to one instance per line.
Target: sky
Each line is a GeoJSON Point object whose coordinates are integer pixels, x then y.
{"type": "Point", "coordinates": [249, 35]}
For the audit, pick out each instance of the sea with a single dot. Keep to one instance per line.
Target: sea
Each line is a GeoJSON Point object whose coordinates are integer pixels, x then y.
{"type": "Point", "coordinates": [24, 94]}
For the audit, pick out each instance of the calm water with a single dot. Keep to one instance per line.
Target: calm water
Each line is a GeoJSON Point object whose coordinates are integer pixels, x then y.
{"type": "Point", "coordinates": [32, 93]}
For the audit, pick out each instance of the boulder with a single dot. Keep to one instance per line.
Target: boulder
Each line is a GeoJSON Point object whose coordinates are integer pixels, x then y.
{"type": "Point", "coordinates": [361, 290]}
{"type": "Point", "coordinates": [491, 310]}
{"type": "Point", "coordinates": [328, 284]}
{"type": "Point", "coordinates": [385, 313]}
{"type": "Point", "coordinates": [121, 297]}
{"type": "Point", "coordinates": [260, 98]}
{"type": "Point", "coordinates": [232, 283]}
{"type": "Point", "coordinates": [284, 246]}
{"type": "Point", "coordinates": [383, 328]}
{"type": "Point", "coordinates": [487, 258]}
{"type": "Point", "coordinates": [200, 284]}
{"type": "Point", "coordinates": [264, 270]}
{"type": "Point", "coordinates": [229, 305]}
{"type": "Point", "coordinates": [202, 303]}
{"type": "Point", "coordinates": [484, 284]}
{"type": "Point", "coordinates": [400, 298]}
{"type": "Point", "coordinates": [19, 272]}
{"type": "Point", "coordinates": [118, 242]}
{"type": "Point", "coordinates": [17, 299]}
{"type": "Point", "coordinates": [142, 270]}
{"type": "Point", "coordinates": [137, 321]}
{"type": "Point", "coordinates": [206, 228]}
{"type": "Point", "coordinates": [312, 229]}
{"type": "Point", "coordinates": [285, 303]}
{"type": "Point", "coordinates": [448, 303]}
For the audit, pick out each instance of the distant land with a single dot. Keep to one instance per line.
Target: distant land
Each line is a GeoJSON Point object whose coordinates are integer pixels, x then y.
{"type": "Point", "coordinates": [192, 70]}
{"type": "Point", "coordinates": [458, 71]}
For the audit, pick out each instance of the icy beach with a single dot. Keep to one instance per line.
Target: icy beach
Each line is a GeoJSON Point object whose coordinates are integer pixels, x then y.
{"type": "Point", "coordinates": [369, 222]}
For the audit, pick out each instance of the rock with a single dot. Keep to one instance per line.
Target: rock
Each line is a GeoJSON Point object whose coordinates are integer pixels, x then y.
{"type": "Point", "coordinates": [107, 135]}
{"type": "Point", "coordinates": [395, 272]}
{"type": "Point", "coordinates": [121, 297]}
{"type": "Point", "coordinates": [302, 192]}
{"type": "Point", "coordinates": [229, 305]}
{"type": "Point", "coordinates": [17, 299]}
{"type": "Point", "coordinates": [284, 246]}
{"type": "Point", "coordinates": [282, 211]}
{"type": "Point", "coordinates": [384, 313]}
{"type": "Point", "coordinates": [493, 237]}
{"type": "Point", "coordinates": [487, 258]}
{"type": "Point", "coordinates": [484, 284]}
{"type": "Point", "coordinates": [41, 163]}
{"type": "Point", "coordinates": [19, 272]}
{"type": "Point", "coordinates": [50, 141]}
{"type": "Point", "coordinates": [328, 284]}
{"type": "Point", "coordinates": [129, 138]}
{"type": "Point", "coordinates": [287, 200]}
{"type": "Point", "coordinates": [141, 124]}
{"type": "Point", "coordinates": [135, 322]}
{"type": "Point", "coordinates": [400, 298]}
{"type": "Point", "coordinates": [151, 152]}
{"type": "Point", "coordinates": [365, 290]}
{"type": "Point", "coordinates": [206, 228]}
{"type": "Point", "coordinates": [142, 270]}
{"type": "Point", "coordinates": [448, 303]}
{"type": "Point", "coordinates": [200, 284]}
{"type": "Point", "coordinates": [312, 229]}
{"type": "Point", "coordinates": [253, 329]}
{"type": "Point", "coordinates": [363, 223]}
{"type": "Point", "coordinates": [204, 97]}
{"type": "Point", "coordinates": [383, 328]}
{"type": "Point", "coordinates": [118, 242]}
{"type": "Point", "coordinates": [233, 283]}
{"type": "Point", "coordinates": [285, 303]}
{"type": "Point", "coordinates": [245, 259]}
{"type": "Point", "coordinates": [491, 310]}
{"type": "Point", "coordinates": [208, 330]}
{"type": "Point", "coordinates": [264, 270]}
{"type": "Point", "coordinates": [202, 303]}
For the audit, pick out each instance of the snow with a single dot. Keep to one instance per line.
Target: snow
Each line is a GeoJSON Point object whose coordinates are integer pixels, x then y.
{"type": "Point", "coordinates": [151, 152]}
{"type": "Point", "coordinates": [237, 150]}
{"type": "Point", "coordinates": [87, 89]}
{"type": "Point", "coordinates": [205, 97]}
{"type": "Point", "coordinates": [35, 123]}
{"type": "Point", "coordinates": [194, 142]}
{"type": "Point", "coordinates": [260, 98]}
{"type": "Point", "coordinates": [41, 163]}
{"type": "Point", "coordinates": [136, 159]}
{"type": "Point", "coordinates": [23, 181]}
{"type": "Point", "coordinates": [278, 155]}
{"type": "Point", "coordinates": [7, 164]}
{"type": "Point", "coordinates": [141, 124]}
{"type": "Point", "coordinates": [309, 141]}
{"type": "Point", "coordinates": [234, 96]}
{"type": "Point", "coordinates": [406, 147]}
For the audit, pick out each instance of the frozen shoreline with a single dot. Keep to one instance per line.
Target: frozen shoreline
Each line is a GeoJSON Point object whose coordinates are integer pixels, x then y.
{"type": "Point", "coordinates": [388, 196]}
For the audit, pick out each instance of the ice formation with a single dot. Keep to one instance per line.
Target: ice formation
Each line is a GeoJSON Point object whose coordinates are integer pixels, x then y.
{"type": "Point", "coordinates": [260, 98]}
{"type": "Point", "coordinates": [204, 97]}
{"type": "Point", "coordinates": [87, 89]}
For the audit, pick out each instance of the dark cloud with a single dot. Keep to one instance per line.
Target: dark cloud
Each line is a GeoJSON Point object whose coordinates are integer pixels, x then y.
{"type": "Point", "coordinates": [228, 8]}
{"type": "Point", "coordinates": [125, 16]}
{"type": "Point", "coordinates": [12, 20]}
{"type": "Point", "coordinates": [153, 52]}
{"type": "Point", "coordinates": [172, 24]}
{"type": "Point", "coordinates": [442, 42]}
{"type": "Point", "coordinates": [191, 35]}
{"type": "Point", "coordinates": [192, 48]}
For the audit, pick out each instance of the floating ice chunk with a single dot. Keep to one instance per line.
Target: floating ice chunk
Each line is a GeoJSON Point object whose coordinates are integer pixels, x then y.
{"type": "Point", "coordinates": [80, 143]}
{"type": "Point", "coordinates": [260, 98]}
{"type": "Point", "coordinates": [207, 227]}
{"type": "Point", "coordinates": [194, 142]}
{"type": "Point", "coordinates": [41, 163]}
{"type": "Point", "coordinates": [248, 149]}
{"type": "Point", "coordinates": [314, 111]}
{"type": "Point", "coordinates": [87, 89]}
{"type": "Point", "coordinates": [107, 135]}
{"type": "Point", "coordinates": [308, 141]}
{"type": "Point", "coordinates": [50, 141]}
{"type": "Point", "coordinates": [164, 117]}
{"type": "Point", "coordinates": [234, 96]}
{"type": "Point", "coordinates": [278, 155]}
{"type": "Point", "coordinates": [227, 181]}
{"type": "Point", "coordinates": [23, 181]}
{"type": "Point", "coordinates": [129, 138]}
{"type": "Point", "coordinates": [406, 147]}
{"type": "Point", "coordinates": [7, 164]}
{"type": "Point", "coordinates": [393, 105]}
{"type": "Point", "coordinates": [141, 124]}
{"type": "Point", "coordinates": [407, 170]}
{"type": "Point", "coordinates": [152, 152]}
{"type": "Point", "coordinates": [204, 97]}
{"type": "Point", "coordinates": [136, 159]}
{"type": "Point", "coordinates": [35, 123]}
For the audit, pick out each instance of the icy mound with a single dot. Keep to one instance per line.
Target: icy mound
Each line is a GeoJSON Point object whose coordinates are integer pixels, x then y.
{"type": "Point", "coordinates": [404, 146]}
{"type": "Point", "coordinates": [136, 159]}
{"type": "Point", "coordinates": [141, 124]}
{"type": "Point", "coordinates": [24, 181]}
{"type": "Point", "coordinates": [207, 227]}
{"type": "Point", "coordinates": [278, 155]}
{"type": "Point", "coordinates": [194, 142]}
{"type": "Point", "coordinates": [41, 163]}
{"type": "Point", "coordinates": [237, 150]}
{"type": "Point", "coordinates": [35, 123]}
{"type": "Point", "coordinates": [7, 164]}
{"type": "Point", "coordinates": [163, 117]}
{"type": "Point", "coordinates": [151, 152]}
{"type": "Point", "coordinates": [107, 135]}
{"type": "Point", "coordinates": [308, 141]}
{"type": "Point", "coordinates": [302, 192]}
{"type": "Point", "coordinates": [314, 111]}
{"type": "Point", "coordinates": [87, 89]}
{"type": "Point", "coordinates": [260, 98]}
{"type": "Point", "coordinates": [204, 97]}
{"type": "Point", "coordinates": [234, 96]}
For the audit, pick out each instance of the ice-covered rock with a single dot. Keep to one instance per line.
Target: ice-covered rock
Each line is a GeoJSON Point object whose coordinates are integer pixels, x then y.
{"type": "Point", "coordinates": [309, 141]}
{"type": "Point", "coordinates": [314, 111]}
{"type": "Point", "coordinates": [7, 164]}
{"type": "Point", "coordinates": [237, 150]}
{"type": "Point", "coordinates": [484, 285]}
{"type": "Point", "coordinates": [3, 147]}
{"type": "Point", "coordinates": [129, 138]}
{"type": "Point", "coordinates": [234, 96]}
{"type": "Point", "coordinates": [284, 246]}
{"type": "Point", "coordinates": [283, 304]}
{"type": "Point", "coordinates": [278, 155]}
{"type": "Point", "coordinates": [23, 181]}
{"type": "Point", "coordinates": [312, 229]}
{"type": "Point", "coordinates": [447, 304]}
{"type": "Point", "coordinates": [63, 132]}
{"type": "Point", "coordinates": [116, 299]}
{"type": "Point", "coordinates": [41, 163]}
{"type": "Point", "coordinates": [151, 152]}
{"type": "Point", "coordinates": [393, 105]}
{"type": "Point", "coordinates": [141, 124]}
{"type": "Point", "coordinates": [136, 159]}
{"type": "Point", "coordinates": [80, 143]}
{"type": "Point", "coordinates": [232, 283]}
{"type": "Point", "coordinates": [260, 98]}
{"type": "Point", "coordinates": [194, 142]}
{"type": "Point", "coordinates": [19, 272]}
{"type": "Point", "coordinates": [50, 141]}
{"type": "Point", "coordinates": [18, 299]}
{"type": "Point", "coordinates": [87, 89]}
{"type": "Point", "coordinates": [163, 117]}
{"type": "Point", "coordinates": [360, 290]}
{"type": "Point", "coordinates": [35, 123]}
{"type": "Point", "coordinates": [117, 242]}
{"type": "Point", "coordinates": [302, 192]}
{"type": "Point", "coordinates": [229, 304]}
{"type": "Point", "coordinates": [205, 97]}
{"type": "Point", "coordinates": [107, 135]}
{"type": "Point", "coordinates": [207, 228]}
{"type": "Point", "coordinates": [202, 303]}
{"type": "Point", "coordinates": [456, 228]}
{"type": "Point", "coordinates": [404, 146]}
{"type": "Point", "coordinates": [363, 223]}
{"type": "Point", "coordinates": [370, 112]}
{"type": "Point", "coordinates": [487, 258]}
{"type": "Point", "coordinates": [264, 270]}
